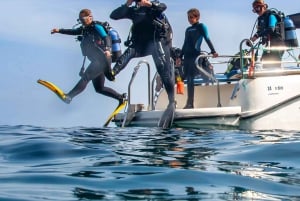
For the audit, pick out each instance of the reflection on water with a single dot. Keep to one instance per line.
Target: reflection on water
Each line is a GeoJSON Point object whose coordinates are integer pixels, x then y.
{"type": "Point", "coordinates": [147, 164]}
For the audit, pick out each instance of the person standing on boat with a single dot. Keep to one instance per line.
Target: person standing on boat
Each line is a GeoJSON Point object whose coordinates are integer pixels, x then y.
{"type": "Point", "coordinates": [149, 36]}
{"type": "Point", "coordinates": [96, 46]}
{"type": "Point", "coordinates": [191, 49]}
{"type": "Point", "coordinates": [269, 32]}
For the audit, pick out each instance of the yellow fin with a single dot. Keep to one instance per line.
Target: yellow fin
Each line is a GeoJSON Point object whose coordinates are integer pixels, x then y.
{"type": "Point", "coordinates": [53, 88]}
{"type": "Point", "coordinates": [115, 112]}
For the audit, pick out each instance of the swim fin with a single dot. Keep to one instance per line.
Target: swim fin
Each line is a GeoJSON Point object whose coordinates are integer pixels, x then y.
{"type": "Point", "coordinates": [115, 112]}
{"type": "Point", "coordinates": [167, 118]}
{"type": "Point", "coordinates": [53, 88]}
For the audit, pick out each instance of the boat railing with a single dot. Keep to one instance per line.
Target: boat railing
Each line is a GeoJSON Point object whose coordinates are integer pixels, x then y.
{"type": "Point", "coordinates": [136, 68]}
{"type": "Point", "coordinates": [241, 56]}
{"type": "Point", "coordinates": [247, 69]}
{"type": "Point", "coordinates": [127, 116]}
{"type": "Point", "coordinates": [251, 67]}
{"type": "Point", "coordinates": [259, 63]}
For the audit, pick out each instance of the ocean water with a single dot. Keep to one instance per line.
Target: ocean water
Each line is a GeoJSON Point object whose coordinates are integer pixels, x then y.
{"type": "Point", "coordinates": [38, 163]}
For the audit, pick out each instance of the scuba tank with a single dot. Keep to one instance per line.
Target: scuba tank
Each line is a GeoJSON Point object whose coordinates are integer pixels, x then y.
{"type": "Point", "coordinates": [115, 46]}
{"type": "Point", "coordinates": [115, 40]}
{"type": "Point", "coordinates": [290, 33]}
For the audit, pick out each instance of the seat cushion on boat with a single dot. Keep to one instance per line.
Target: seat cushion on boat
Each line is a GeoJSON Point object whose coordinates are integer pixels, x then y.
{"type": "Point", "coordinates": [235, 76]}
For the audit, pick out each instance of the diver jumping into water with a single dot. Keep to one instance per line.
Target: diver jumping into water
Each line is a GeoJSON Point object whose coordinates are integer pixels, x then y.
{"type": "Point", "coordinates": [96, 46]}
{"type": "Point", "coordinates": [148, 37]}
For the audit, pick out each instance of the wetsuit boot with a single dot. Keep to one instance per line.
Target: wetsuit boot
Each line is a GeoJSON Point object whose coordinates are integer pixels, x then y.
{"type": "Point", "coordinates": [109, 74]}
{"type": "Point", "coordinates": [122, 99]}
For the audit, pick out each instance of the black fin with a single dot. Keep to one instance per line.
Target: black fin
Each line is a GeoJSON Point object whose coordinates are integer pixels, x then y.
{"type": "Point", "coordinates": [167, 118]}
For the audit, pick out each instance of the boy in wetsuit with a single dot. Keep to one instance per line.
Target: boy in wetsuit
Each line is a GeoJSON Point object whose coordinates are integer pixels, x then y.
{"type": "Point", "coordinates": [96, 46]}
{"type": "Point", "coordinates": [194, 36]}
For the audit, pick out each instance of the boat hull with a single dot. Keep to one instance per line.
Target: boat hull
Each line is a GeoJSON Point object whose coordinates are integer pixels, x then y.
{"type": "Point", "coordinates": [270, 101]}
{"type": "Point", "coordinates": [267, 101]}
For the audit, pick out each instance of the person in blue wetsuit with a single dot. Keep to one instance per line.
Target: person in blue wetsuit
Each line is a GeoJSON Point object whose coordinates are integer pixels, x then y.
{"type": "Point", "coordinates": [191, 48]}
{"type": "Point", "coordinates": [149, 36]}
{"type": "Point", "coordinates": [96, 46]}
{"type": "Point", "coordinates": [270, 33]}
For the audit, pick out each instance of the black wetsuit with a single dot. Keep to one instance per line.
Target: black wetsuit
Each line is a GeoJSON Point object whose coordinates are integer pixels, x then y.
{"type": "Point", "coordinates": [194, 36]}
{"type": "Point", "coordinates": [268, 29]}
{"type": "Point", "coordinates": [147, 39]}
{"type": "Point", "coordinates": [94, 42]}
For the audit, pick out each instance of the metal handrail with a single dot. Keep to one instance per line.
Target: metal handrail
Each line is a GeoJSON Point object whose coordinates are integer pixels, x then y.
{"type": "Point", "coordinates": [242, 56]}
{"type": "Point", "coordinates": [268, 48]}
{"type": "Point", "coordinates": [224, 56]}
{"type": "Point", "coordinates": [135, 70]}
{"type": "Point", "coordinates": [132, 78]}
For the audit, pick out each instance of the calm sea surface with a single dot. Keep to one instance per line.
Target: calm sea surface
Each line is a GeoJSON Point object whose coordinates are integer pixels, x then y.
{"type": "Point", "coordinates": [38, 163]}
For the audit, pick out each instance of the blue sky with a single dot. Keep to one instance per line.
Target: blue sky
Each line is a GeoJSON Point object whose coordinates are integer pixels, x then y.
{"type": "Point", "coordinates": [30, 52]}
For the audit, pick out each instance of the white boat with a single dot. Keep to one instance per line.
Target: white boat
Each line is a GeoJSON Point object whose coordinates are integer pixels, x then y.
{"type": "Point", "coordinates": [257, 99]}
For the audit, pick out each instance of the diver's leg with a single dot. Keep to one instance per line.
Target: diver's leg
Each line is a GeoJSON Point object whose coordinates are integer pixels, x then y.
{"type": "Point", "coordinates": [189, 75]}
{"type": "Point", "coordinates": [161, 57]}
{"type": "Point", "coordinates": [164, 68]}
{"type": "Point", "coordinates": [98, 83]}
{"type": "Point", "coordinates": [92, 71]}
{"type": "Point", "coordinates": [272, 56]}
{"type": "Point", "coordinates": [190, 92]}
{"type": "Point", "coordinates": [79, 87]}
{"type": "Point", "coordinates": [123, 60]}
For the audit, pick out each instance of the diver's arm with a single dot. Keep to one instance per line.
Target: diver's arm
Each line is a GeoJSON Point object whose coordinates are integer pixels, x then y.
{"type": "Point", "coordinates": [208, 41]}
{"type": "Point", "coordinates": [77, 31]}
{"type": "Point", "coordinates": [272, 23]}
{"type": "Point", "coordinates": [211, 47]}
{"type": "Point", "coordinates": [105, 37]}
{"type": "Point", "coordinates": [121, 12]}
